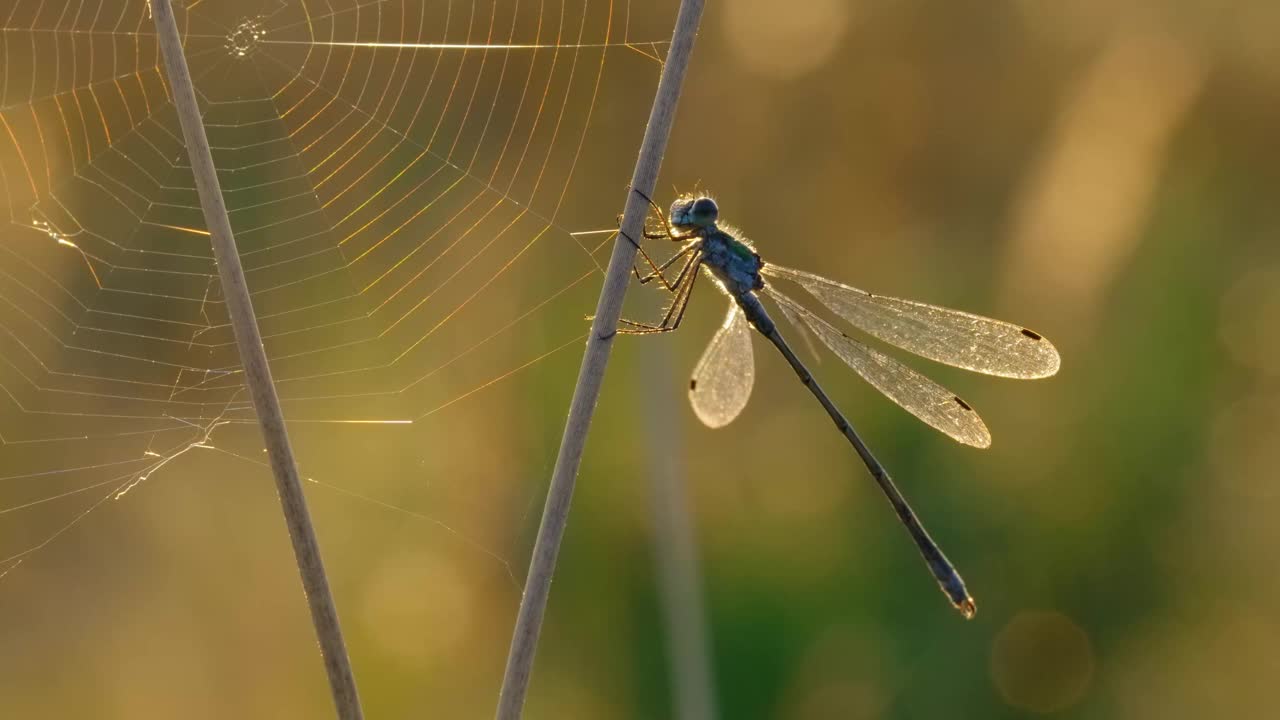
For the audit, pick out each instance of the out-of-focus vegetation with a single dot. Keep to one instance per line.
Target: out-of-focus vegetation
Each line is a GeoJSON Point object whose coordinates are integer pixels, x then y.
{"type": "Point", "coordinates": [1102, 173]}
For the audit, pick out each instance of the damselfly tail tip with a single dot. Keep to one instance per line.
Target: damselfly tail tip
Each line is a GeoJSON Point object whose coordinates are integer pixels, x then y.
{"type": "Point", "coordinates": [950, 583]}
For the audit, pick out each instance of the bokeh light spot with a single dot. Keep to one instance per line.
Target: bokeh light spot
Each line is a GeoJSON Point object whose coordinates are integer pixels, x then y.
{"type": "Point", "coordinates": [846, 672]}
{"type": "Point", "coordinates": [782, 41]}
{"type": "Point", "coordinates": [1042, 661]}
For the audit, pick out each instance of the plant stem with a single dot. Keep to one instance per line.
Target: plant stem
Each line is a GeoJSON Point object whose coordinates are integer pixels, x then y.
{"type": "Point", "coordinates": [306, 549]}
{"type": "Point", "coordinates": [555, 515]}
{"type": "Point", "coordinates": [675, 550]}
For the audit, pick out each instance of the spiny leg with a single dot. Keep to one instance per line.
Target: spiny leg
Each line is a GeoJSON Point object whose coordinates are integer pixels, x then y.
{"type": "Point", "coordinates": [675, 313]}
{"type": "Point", "coordinates": [683, 285]}
{"type": "Point", "coordinates": [658, 271]}
{"type": "Point", "coordinates": [645, 232]}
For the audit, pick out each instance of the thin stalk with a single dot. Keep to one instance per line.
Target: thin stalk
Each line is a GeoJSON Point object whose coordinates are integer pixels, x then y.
{"type": "Point", "coordinates": [306, 549]}
{"type": "Point", "coordinates": [555, 515]}
{"type": "Point", "coordinates": [675, 548]}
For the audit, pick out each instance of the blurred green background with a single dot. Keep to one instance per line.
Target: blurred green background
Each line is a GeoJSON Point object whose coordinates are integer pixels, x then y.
{"type": "Point", "coordinates": [1102, 173]}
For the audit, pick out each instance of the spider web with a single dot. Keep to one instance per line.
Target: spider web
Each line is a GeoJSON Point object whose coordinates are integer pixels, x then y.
{"type": "Point", "coordinates": [396, 173]}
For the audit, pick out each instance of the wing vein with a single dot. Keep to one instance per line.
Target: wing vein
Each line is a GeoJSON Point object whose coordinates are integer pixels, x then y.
{"type": "Point", "coordinates": [951, 337]}
{"type": "Point", "coordinates": [933, 404]}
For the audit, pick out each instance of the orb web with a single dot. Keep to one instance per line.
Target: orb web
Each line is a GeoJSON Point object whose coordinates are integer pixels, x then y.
{"type": "Point", "coordinates": [396, 174]}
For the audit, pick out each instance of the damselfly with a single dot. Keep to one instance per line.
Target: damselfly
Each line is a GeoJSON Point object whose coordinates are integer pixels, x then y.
{"type": "Point", "coordinates": [723, 377]}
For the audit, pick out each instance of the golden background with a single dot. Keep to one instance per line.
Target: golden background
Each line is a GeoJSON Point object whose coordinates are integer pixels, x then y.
{"type": "Point", "coordinates": [1102, 173]}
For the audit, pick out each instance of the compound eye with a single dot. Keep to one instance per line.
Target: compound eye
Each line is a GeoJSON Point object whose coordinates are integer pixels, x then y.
{"type": "Point", "coordinates": [680, 207]}
{"type": "Point", "coordinates": [706, 207]}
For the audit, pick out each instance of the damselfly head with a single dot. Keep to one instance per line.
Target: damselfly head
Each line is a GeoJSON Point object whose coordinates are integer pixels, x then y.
{"type": "Point", "coordinates": [694, 212]}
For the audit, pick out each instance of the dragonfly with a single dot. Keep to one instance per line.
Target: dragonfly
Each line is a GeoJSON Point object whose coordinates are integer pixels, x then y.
{"type": "Point", "coordinates": [723, 377]}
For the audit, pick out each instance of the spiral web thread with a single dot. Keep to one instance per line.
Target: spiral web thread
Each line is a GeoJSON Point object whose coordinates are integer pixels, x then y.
{"type": "Point", "coordinates": [395, 174]}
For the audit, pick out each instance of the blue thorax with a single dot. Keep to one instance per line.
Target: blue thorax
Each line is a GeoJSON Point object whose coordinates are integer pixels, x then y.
{"type": "Point", "coordinates": [733, 262]}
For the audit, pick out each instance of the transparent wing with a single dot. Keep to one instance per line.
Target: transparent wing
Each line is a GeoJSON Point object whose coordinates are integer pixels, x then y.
{"type": "Point", "coordinates": [724, 375]}
{"type": "Point", "coordinates": [937, 406]}
{"type": "Point", "coordinates": [948, 336]}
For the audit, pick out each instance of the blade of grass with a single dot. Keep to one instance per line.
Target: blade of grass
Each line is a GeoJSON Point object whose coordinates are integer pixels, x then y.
{"type": "Point", "coordinates": [235, 289]}
{"type": "Point", "coordinates": [555, 514]}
